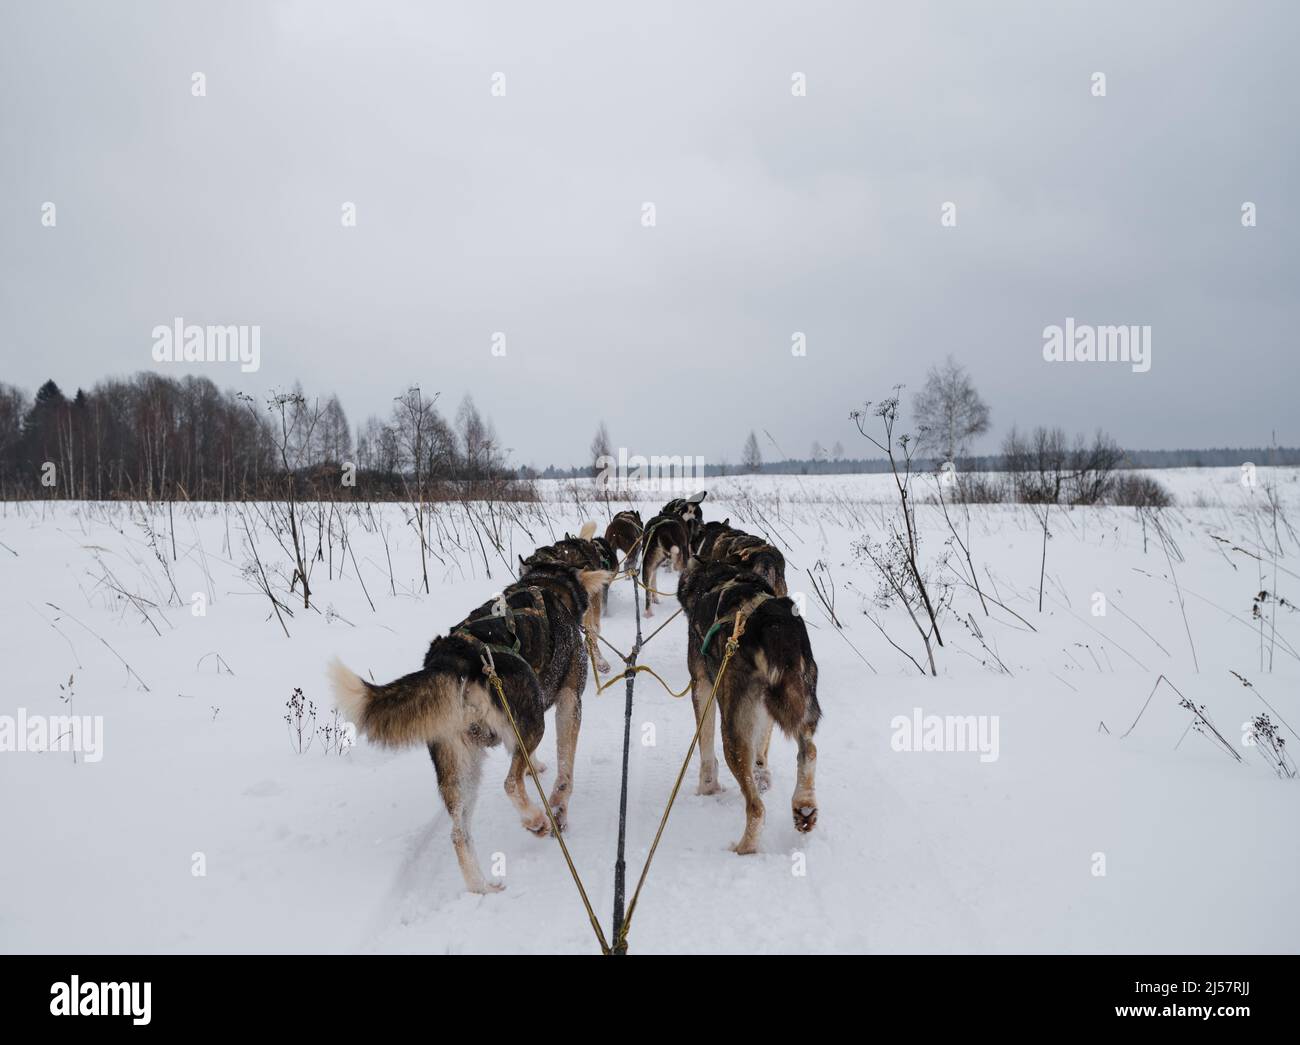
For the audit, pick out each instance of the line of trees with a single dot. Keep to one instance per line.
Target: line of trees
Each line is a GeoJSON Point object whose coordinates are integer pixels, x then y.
{"type": "Point", "coordinates": [151, 436]}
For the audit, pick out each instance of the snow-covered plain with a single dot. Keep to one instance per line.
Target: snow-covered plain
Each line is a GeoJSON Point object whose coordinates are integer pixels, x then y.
{"type": "Point", "coordinates": [913, 851]}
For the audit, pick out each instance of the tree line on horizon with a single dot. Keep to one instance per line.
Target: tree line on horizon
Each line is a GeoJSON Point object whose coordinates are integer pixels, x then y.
{"type": "Point", "coordinates": [151, 436]}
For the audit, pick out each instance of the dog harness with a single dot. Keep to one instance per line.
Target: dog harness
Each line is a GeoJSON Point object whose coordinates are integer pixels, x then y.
{"type": "Point", "coordinates": [743, 612]}
{"type": "Point", "coordinates": [499, 630]}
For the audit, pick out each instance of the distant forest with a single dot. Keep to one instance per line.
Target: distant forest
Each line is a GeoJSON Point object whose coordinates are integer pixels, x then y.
{"type": "Point", "coordinates": [150, 436]}
{"type": "Point", "coordinates": [1225, 457]}
{"type": "Point", "coordinates": [153, 437]}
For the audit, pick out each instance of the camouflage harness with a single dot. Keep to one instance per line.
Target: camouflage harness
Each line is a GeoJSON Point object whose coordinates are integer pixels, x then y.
{"type": "Point", "coordinates": [497, 631]}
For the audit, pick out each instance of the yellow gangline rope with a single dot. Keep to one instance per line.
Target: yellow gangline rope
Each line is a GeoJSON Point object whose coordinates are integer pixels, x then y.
{"type": "Point", "coordinates": [733, 644]}
{"type": "Point", "coordinates": [489, 669]}
{"type": "Point", "coordinates": [629, 670]}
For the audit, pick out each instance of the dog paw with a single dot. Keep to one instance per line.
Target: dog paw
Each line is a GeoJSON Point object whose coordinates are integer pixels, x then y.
{"type": "Point", "coordinates": [710, 787]}
{"type": "Point", "coordinates": [805, 818]}
{"type": "Point", "coordinates": [763, 777]}
{"type": "Point", "coordinates": [602, 666]}
{"type": "Point", "coordinates": [745, 847]}
{"type": "Point", "coordinates": [486, 887]}
{"type": "Point", "coordinates": [561, 814]}
{"type": "Point", "coordinates": [537, 824]}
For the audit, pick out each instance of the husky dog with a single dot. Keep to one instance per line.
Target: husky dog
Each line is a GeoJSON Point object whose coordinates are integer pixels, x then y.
{"type": "Point", "coordinates": [772, 678]}
{"type": "Point", "coordinates": [596, 562]}
{"type": "Point", "coordinates": [666, 539]}
{"type": "Point", "coordinates": [623, 534]}
{"type": "Point", "coordinates": [687, 509]}
{"type": "Point", "coordinates": [530, 631]}
{"type": "Point", "coordinates": [720, 542]}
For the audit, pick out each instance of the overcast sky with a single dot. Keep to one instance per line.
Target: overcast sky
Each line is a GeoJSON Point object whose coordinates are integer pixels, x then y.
{"type": "Point", "coordinates": [773, 213]}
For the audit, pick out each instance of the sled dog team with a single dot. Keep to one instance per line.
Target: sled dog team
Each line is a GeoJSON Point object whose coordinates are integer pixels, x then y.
{"type": "Point", "coordinates": [533, 634]}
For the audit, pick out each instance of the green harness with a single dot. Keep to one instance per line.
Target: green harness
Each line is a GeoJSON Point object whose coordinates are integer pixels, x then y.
{"type": "Point", "coordinates": [745, 610]}
{"type": "Point", "coordinates": [482, 631]}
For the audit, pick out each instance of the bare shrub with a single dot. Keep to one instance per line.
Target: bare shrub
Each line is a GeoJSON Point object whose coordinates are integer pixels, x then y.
{"type": "Point", "coordinates": [1092, 468]}
{"type": "Point", "coordinates": [977, 488]}
{"type": "Point", "coordinates": [1133, 490]}
{"type": "Point", "coordinates": [1044, 467]}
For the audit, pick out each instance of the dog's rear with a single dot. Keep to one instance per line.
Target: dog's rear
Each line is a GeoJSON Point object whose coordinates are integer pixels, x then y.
{"type": "Point", "coordinates": [780, 688]}
{"type": "Point", "coordinates": [770, 680]}
{"type": "Point", "coordinates": [453, 716]}
{"type": "Point", "coordinates": [783, 660]}
{"type": "Point", "coordinates": [624, 536]}
{"type": "Point", "coordinates": [666, 539]}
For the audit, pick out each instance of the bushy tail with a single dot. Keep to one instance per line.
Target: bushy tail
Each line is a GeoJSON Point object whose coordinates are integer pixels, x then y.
{"type": "Point", "coordinates": [588, 531]}
{"type": "Point", "coordinates": [784, 657]}
{"type": "Point", "coordinates": [399, 714]}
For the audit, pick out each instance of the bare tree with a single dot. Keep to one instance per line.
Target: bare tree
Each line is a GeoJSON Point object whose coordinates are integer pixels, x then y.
{"type": "Point", "coordinates": [333, 441]}
{"type": "Point", "coordinates": [948, 412]}
{"type": "Point", "coordinates": [14, 404]}
{"type": "Point", "coordinates": [414, 422]}
{"type": "Point", "coordinates": [751, 458]}
{"type": "Point", "coordinates": [600, 447]}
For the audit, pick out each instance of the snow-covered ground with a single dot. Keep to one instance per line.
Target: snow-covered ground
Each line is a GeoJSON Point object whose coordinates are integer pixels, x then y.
{"type": "Point", "coordinates": [1074, 838]}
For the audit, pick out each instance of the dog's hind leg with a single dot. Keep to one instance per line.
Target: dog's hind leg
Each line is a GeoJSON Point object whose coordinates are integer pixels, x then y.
{"type": "Point", "coordinates": [761, 771]}
{"type": "Point", "coordinates": [459, 768]}
{"type": "Point", "coordinates": [530, 816]}
{"type": "Point", "coordinates": [525, 701]}
{"type": "Point", "coordinates": [738, 747]}
{"type": "Point", "coordinates": [649, 566]}
{"type": "Point", "coordinates": [804, 802]}
{"type": "Point", "coordinates": [709, 782]}
{"type": "Point", "coordinates": [591, 622]}
{"type": "Point", "coordinates": [568, 719]}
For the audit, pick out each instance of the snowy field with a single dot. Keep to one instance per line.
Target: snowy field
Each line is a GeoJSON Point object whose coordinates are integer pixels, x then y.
{"type": "Point", "coordinates": [196, 826]}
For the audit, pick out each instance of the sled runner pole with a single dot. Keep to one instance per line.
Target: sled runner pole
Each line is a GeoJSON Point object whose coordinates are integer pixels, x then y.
{"type": "Point", "coordinates": [490, 670]}
{"type": "Point", "coordinates": [620, 862]}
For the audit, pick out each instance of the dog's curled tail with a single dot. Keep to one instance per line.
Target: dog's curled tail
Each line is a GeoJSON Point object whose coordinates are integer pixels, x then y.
{"type": "Point", "coordinates": [588, 531]}
{"type": "Point", "coordinates": [398, 714]}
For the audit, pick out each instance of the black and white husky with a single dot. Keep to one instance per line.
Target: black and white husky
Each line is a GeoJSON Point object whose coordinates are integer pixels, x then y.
{"type": "Point", "coordinates": [532, 634]}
